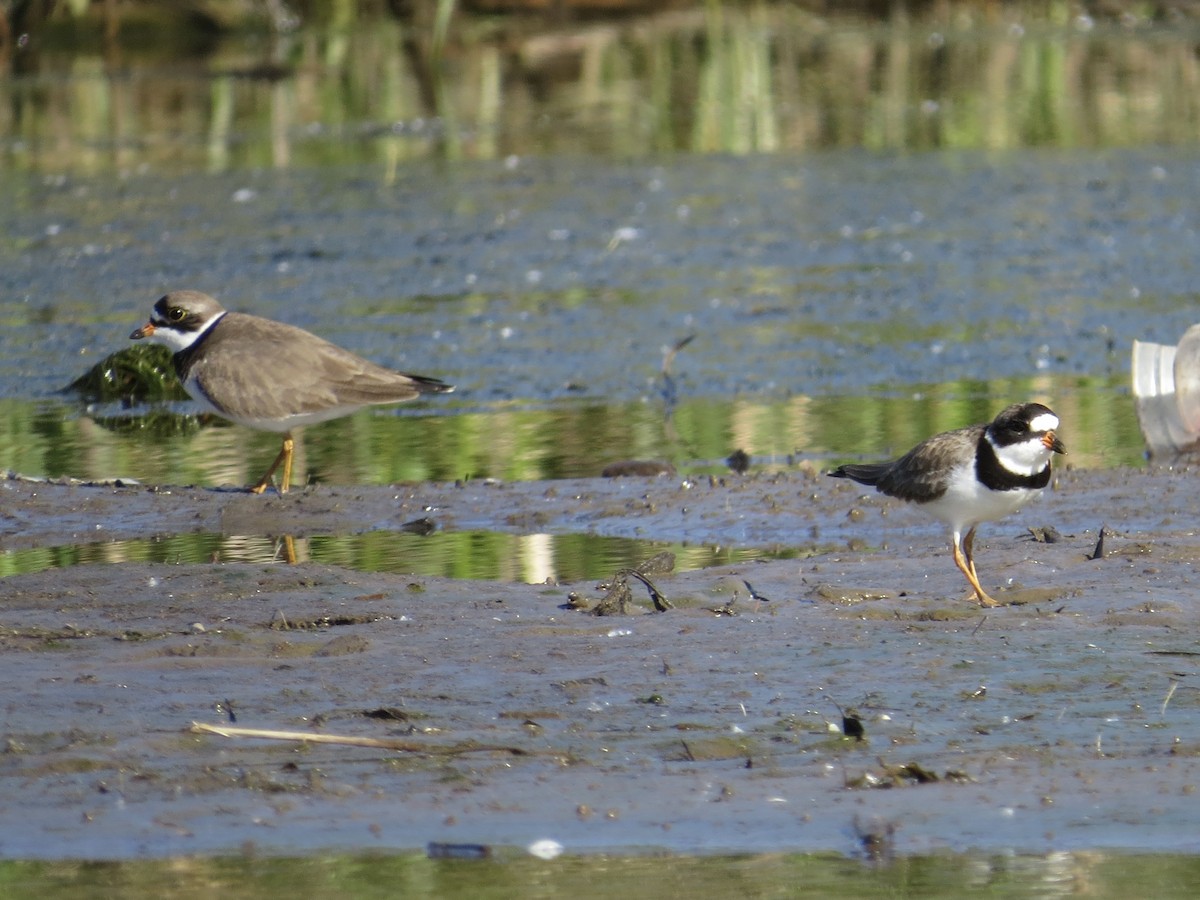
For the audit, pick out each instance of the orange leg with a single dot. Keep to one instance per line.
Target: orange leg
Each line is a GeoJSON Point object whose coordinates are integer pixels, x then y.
{"type": "Point", "coordinates": [964, 559]}
{"type": "Point", "coordinates": [285, 457]}
{"type": "Point", "coordinates": [969, 552]}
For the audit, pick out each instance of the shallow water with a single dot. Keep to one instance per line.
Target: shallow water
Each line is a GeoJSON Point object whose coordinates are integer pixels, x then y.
{"type": "Point", "coordinates": [559, 440]}
{"type": "Point", "coordinates": [833, 275]}
{"type": "Point", "coordinates": [530, 558]}
{"type": "Point", "coordinates": [506, 873]}
{"type": "Point", "coordinates": [843, 306]}
{"type": "Point", "coordinates": [948, 286]}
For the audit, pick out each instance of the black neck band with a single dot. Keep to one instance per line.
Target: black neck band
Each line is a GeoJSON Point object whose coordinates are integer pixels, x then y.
{"type": "Point", "coordinates": [994, 476]}
{"type": "Point", "coordinates": [183, 359]}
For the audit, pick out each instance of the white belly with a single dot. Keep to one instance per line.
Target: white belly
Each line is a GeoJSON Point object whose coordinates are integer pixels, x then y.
{"type": "Point", "coordinates": [967, 503]}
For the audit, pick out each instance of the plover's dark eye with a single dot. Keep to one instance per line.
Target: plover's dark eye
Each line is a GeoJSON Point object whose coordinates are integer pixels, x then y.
{"type": "Point", "coordinates": [176, 313]}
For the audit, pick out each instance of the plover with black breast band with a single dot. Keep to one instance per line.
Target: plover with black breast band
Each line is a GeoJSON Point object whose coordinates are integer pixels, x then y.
{"type": "Point", "coordinates": [269, 375]}
{"type": "Point", "coordinates": [972, 475]}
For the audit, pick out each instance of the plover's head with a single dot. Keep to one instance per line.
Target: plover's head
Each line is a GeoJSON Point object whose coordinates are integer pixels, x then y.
{"type": "Point", "coordinates": [179, 319]}
{"type": "Point", "coordinates": [1024, 438]}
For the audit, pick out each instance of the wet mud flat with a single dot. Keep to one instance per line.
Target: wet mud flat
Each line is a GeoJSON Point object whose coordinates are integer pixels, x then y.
{"type": "Point", "coordinates": [1068, 719]}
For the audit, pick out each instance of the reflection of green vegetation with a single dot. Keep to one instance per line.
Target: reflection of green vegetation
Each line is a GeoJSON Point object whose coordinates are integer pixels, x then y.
{"type": "Point", "coordinates": [510, 872]}
{"type": "Point", "coordinates": [533, 558]}
{"type": "Point", "coordinates": [771, 77]}
{"type": "Point", "coordinates": [180, 548]}
{"type": "Point", "coordinates": [474, 555]}
{"type": "Point", "coordinates": [568, 440]}
{"type": "Point", "coordinates": [159, 422]}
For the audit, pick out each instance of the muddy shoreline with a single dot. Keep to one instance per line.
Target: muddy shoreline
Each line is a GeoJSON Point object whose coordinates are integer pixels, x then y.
{"type": "Point", "coordinates": [1066, 720]}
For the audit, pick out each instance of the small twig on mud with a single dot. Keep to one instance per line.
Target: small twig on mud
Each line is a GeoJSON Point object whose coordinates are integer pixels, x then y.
{"type": "Point", "coordinates": [670, 352]}
{"type": "Point", "coordinates": [661, 603]}
{"type": "Point", "coordinates": [1170, 693]}
{"type": "Point", "coordinates": [755, 595]}
{"type": "Point", "coordinates": [351, 740]}
{"type": "Point", "coordinates": [852, 726]}
{"type": "Point", "coordinates": [670, 393]}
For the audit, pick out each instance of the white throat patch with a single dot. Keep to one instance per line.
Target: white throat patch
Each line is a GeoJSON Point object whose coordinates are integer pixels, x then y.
{"type": "Point", "coordinates": [1027, 457]}
{"type": "Point", "coordinates": [180, 340]}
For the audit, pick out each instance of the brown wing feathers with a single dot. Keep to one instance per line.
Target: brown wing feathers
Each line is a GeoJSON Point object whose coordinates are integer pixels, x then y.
{"type": "Point", "coordinates": [319, 375]}
{"type": "Point", "coordinates": [921, 474]}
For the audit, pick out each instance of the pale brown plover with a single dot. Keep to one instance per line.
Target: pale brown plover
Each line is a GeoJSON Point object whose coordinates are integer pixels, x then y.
{"type": "Point", "coordinates": [269, 375]}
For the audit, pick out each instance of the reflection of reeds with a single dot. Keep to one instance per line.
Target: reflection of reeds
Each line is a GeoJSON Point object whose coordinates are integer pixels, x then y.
{"type": "Point", "coordinates": [563, 442]}
{"type": "Point", "coordinates": [712, 79]}
{"type": "Point", "coordinates": [441, 25]}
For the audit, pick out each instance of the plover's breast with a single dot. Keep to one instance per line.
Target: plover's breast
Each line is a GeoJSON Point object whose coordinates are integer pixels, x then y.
{"type": "Point", "coordinates": [967, 501]}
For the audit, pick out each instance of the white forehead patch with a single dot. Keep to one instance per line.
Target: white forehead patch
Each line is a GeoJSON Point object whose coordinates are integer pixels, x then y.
{"type": "Point", "coordinates": [1044, 422]}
